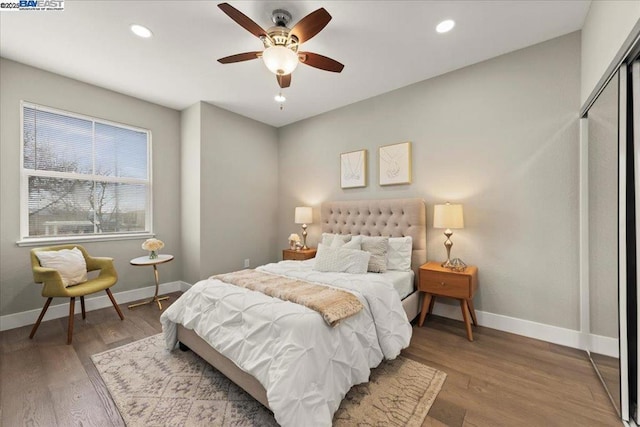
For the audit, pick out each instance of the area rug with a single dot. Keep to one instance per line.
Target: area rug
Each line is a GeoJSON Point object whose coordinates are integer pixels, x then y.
{"type": "Point", "coordinates": [154, 387]}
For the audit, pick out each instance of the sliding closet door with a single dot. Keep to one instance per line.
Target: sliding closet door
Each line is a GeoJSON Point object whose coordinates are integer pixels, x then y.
{"type": "Point", "coordinates": [603, 196]}
{"type": "Point", "coordinates": [633, 129]}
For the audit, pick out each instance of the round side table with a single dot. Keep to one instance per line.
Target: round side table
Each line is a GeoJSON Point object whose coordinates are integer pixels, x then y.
{"type": "Point", "coordinates": [145, 260]}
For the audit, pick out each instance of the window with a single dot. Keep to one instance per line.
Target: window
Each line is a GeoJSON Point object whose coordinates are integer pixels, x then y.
{"type": "Point", "coordinates": [82, 176]}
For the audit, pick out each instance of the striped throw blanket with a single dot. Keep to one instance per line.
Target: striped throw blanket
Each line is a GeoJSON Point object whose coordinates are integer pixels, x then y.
{"type": "Point", "coordinates": [333, 304]}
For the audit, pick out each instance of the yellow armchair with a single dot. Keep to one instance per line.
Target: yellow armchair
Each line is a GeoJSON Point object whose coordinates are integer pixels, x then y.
{"type": "Point", "coordinates": [53, 287]}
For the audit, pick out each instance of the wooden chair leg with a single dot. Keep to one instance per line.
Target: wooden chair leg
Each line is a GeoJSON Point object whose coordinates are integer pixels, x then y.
{"type": "Point", "coordinates": [115, 304]}
{"type": "Point", "coordinates": [44, 310]}
{"type": "Point", "coordinates": [84, 313]}
{"type": "Point", "coordinates": [72, 307]}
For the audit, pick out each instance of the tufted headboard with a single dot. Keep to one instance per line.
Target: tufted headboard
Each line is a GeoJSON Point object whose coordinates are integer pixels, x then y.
{"type": "Point", "coordinates": [390, 217]}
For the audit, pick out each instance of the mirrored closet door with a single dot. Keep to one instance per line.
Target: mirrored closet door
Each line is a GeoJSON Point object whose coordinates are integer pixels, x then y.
{"type": "Point", "coordinates": [603, 200]}
{"type": "Point", "coordinates": [612, 225]}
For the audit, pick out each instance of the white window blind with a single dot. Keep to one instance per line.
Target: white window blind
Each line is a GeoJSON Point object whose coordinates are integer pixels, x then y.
{"type": "Point", "coordinates": [83, 176]}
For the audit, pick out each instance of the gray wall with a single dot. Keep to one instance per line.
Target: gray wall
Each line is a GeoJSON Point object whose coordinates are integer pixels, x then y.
{"type": "Point", "coordinates": [500, 137]}
{"type": "Point", "coordinates": [191, 132]}
{"type": "Point", "coordinates": [236, 206]}
{"type": "Point", "coordinates": [20, 82]}
{"type": "Point", "coordinates": [605, 29]}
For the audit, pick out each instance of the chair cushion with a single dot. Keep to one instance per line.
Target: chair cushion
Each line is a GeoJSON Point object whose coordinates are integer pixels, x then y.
{"type": "Point", "coordinates": [70, 264]}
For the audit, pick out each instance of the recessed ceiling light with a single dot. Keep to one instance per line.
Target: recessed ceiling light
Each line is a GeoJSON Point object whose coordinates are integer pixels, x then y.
{"type": "Point", "coordinates": [141, 31]}
{"type": "Point", "coordinates": [445, 26]}
{"type": "Point", "coordinates": [280, 98]}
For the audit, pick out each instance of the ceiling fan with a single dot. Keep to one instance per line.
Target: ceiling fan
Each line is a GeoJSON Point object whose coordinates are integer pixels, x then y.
{"type": "Point", "coordinates": [280, 54]}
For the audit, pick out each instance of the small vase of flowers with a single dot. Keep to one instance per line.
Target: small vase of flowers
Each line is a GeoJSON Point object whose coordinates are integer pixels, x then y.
{"type": "Point", "coordinates": [153, 246]}
{"type": "Point", "coordinates": [294, 239]}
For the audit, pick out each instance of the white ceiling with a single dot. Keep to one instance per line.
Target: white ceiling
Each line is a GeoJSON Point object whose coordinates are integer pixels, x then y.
{"type": "Point", "coordinates": [383, 44]}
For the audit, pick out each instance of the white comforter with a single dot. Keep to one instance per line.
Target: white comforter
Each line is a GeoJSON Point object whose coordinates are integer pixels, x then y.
{"type": "Point", "coordinates": [305, 366]}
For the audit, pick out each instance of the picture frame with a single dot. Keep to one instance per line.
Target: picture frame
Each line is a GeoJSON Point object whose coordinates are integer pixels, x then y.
{"type": "Point", "coordinates": [394, 164]}
{"type": "Point", "coordinates": [353, 169]}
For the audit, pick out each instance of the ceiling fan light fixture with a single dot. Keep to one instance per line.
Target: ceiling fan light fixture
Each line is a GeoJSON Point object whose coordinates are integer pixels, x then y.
{"type": "Point", "coordinates": [445, 26]}
{"type": "Point", "coordinates": [280, 98]}
{"type": "Point", "coordinates": [280, 60]}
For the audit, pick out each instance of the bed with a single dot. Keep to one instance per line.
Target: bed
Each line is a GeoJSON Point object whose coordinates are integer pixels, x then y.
{"type": "Point", "coordinates": [348, 364]}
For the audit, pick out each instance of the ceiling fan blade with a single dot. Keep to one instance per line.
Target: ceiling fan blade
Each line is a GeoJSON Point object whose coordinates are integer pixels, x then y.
{"type": "Point", "coordinates": [311, 25]}
{"type": "Point", "coordinates": [321, 62]}
{"type": "Point", "coordinates": [240, 57]}
{"type": "Point", "coordinates": [284, 81]}
{"type": "Point", "coordinates": [243, 20]}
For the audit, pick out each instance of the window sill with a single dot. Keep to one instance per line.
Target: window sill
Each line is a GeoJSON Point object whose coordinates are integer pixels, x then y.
{"type": "Point", "coordinates": [55, 240]}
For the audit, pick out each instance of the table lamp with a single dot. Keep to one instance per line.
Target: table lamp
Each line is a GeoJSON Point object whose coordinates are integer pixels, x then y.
{"type": "Point", "coordinates": [448, 216]}
{"type": "Point", "coordinates": [304, 216]}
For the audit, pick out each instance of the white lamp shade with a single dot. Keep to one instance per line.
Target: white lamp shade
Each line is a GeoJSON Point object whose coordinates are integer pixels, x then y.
{"type": "Point", "coordinates": [304, 215]}
{"type": "Point", "coordinates": [448, 216]}
{"type": "Point", "coordinates": [280, 60]}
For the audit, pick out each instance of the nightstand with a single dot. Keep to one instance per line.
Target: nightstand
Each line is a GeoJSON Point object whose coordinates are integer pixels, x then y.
{"type": "Point", "coordinates": [301, 255]}
{"type": "Point", "coordinates": [436, 281]}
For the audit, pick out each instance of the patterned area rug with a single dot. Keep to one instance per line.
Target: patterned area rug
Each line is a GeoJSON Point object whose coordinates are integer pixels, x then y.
{"type": "Point", "coordinates": [154, 387]}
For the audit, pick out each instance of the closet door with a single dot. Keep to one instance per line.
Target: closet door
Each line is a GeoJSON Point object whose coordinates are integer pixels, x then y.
{"type": "Point", "coordinates": [603, 218]}
{"type": "Point", "coordinates": [633, 129]}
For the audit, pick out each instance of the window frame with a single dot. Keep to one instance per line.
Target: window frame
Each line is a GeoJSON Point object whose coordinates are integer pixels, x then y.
{"type": "Point", "coordinates": [25, 239]}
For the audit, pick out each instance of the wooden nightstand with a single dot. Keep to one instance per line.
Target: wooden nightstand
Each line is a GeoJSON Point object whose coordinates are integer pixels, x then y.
{"type": "Point", "coordinates": [301, 255]}
{"type": "Point", "coordinates": [436, 281]}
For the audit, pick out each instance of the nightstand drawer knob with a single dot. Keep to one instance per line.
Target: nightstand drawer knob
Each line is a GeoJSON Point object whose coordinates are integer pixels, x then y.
{"type": "Point", "coordinates": [442, 284]}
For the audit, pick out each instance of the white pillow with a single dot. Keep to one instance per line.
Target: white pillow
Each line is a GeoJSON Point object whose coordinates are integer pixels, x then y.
{"type": "Point", "coordinates": [340, 260]}
{"type": "Point", "coordinates": [399, 253]}
{"type": "Point", "coordinates": [328, 238]}
{"type": "Point", "coordinates": [70, 264]}
{"type": "Point", "coordinates": [354, 243]}
{"type": "Point", "coordinates": [377, 246]}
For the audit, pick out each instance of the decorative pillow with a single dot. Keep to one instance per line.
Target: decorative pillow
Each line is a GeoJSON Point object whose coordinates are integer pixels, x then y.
{"type": "Point", "coordinates": [70, 264]}
{"type": "Point", "coordinates": [328, 238]}
{"type": "Point", "coordinates": [354, 243]}
{"type": "Point", "coordinates": [377, 246]}
{"type": "Point", "coordinates": [399, 253]}
{"type": "Point", "coordinates": [340, 260]}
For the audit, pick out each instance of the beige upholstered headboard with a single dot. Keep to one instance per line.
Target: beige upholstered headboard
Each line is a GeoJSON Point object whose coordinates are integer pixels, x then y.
{"type": "Point", "coordinates": [391, 217]}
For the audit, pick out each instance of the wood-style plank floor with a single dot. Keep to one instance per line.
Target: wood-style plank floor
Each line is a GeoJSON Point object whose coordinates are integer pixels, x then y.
{"type": "Point", "coordinates": [500, 379]}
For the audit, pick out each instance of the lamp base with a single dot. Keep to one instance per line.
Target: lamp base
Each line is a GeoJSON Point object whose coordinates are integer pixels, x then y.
{"type": "Point", "coordinates": [304, 237]}
{"type": "Point", "coordinates": [447, 244]}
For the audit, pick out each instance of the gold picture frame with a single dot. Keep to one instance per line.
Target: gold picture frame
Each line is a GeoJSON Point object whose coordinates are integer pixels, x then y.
{"type": "Point", "coordinates": [353, 169]}
{"type": "Point", "coordinates": [394, 164]}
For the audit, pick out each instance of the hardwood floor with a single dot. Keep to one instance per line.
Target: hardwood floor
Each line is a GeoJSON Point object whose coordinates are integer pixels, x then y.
{"type": "Point", "coordinates": [498, 379]}
{"type": "Point", "coordinates": [502, 379]}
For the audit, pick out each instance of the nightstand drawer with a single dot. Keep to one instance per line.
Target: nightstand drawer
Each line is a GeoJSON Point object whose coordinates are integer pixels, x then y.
{"type": "Point", "coordinates": [453, 285]}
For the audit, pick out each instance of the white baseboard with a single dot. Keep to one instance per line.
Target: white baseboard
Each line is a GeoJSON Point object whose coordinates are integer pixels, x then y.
{"type": "Point", "coordinates": [553, 334]}
{"type": "Point", "coordinates": [16, 320]}
{"type": "Point", "coordinates": [604, 345]}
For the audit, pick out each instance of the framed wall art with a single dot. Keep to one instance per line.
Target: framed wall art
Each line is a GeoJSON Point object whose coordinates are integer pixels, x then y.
{"type": "Point", "coordinates": [353, 169]}
{"type": "Point", "coordinates": [395, 164]}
